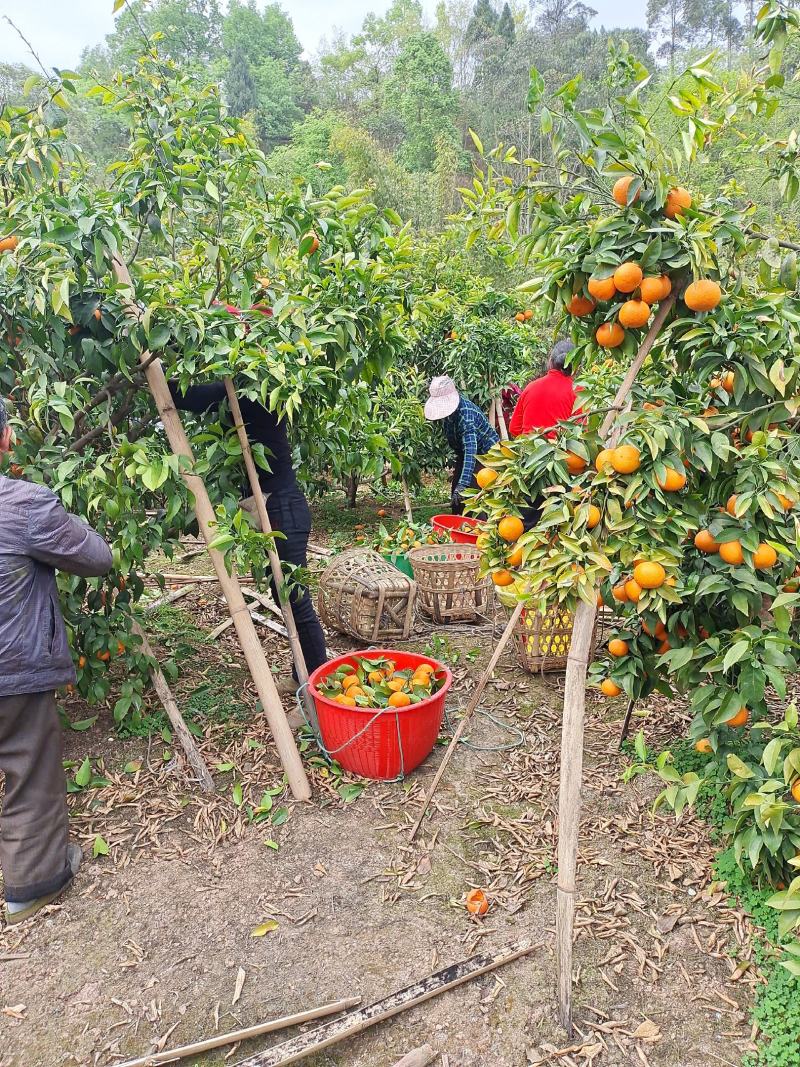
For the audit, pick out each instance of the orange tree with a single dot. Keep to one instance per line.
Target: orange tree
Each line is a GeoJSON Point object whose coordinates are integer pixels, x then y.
{"type": "Point", "coordinates": [684, 522]}
{"type": "Point", "coordinates": [190, 206]}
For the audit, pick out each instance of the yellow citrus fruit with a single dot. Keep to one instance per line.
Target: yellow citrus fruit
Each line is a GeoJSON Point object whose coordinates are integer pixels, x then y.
{"type": "Point", "coordinates": [627, 277]}
{"type": "Point", "coordinates": [674, 481]}
{"type": "Point", "coordinates": [618, 647]}
{"type": "Point", "coordinates": [609, 688]}
{"type": "Point", "coordinates": [678, 200]}
{"type": "Point", "coordinates": [764, 557]}
{"type": "Point", "coordinates": [580, 306]}
{"type": "Point", "coordinates": [620, 190]}
{"type": "Point", "coordinates": [731, 552]}
{"type": "Point", "coordinates": [486, 477]}
{"type": "Point", "coordinates": [702, 295]}
{"type": "Point", "coordinates": [703, 745]}
{"type": "Point", "coordinates": [739, 719]}
{"type": "Point", "coordinates": [502, 577]}
{"type": "Point", "coordinates": [514, 559]}
{"type": "Point", "coordinates": [593, 517]}
{"type": "Point", "coordinates": [633, 590]}
{"type": "Point", "coordinates": [625, 459]}
{"type": "Point", "coordinates": [602, 288]}
{"type": "Point", "coordinates": [634, 313]}
{"type": "Point", "coordinates": [575, 463]}
{"type": "Point", "coordinates": [649, 575]}
{"type": "Point", "coordinates": [704, 540]}
{"type": "Point", "coordinates": [603, 459]}
{"type": "Point", "coordinates": [610, 335]}
{"type": "Point", "coordinates": [510, 528]}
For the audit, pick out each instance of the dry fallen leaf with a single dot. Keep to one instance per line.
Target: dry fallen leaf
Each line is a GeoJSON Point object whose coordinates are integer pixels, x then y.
{"type": "Point", "coordinates": [647, 1031]}
{"type": "Point", "coordinates": [240, 977]}
{"type": "Point", "coordinates": [265, 928]}
{"type": "Point", "coordinates": [14, 1011]}
{"type": "Point", "coordinates": [667, 923]}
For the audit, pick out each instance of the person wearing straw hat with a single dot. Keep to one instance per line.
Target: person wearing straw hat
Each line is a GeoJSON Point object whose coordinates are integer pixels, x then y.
{"type": "Point", "coordinates": [467, 430]}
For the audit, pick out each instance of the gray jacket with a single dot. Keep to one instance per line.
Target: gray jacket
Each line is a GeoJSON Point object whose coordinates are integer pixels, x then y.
{"type": "Point", "coordinates": [36, 536]}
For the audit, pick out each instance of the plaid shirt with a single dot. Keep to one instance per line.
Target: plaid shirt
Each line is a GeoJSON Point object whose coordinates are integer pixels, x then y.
{"type": "Point", "coordinates": [468, 431]}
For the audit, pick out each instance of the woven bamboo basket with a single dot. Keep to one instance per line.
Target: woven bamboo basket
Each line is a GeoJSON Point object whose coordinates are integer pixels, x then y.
{"type": "Point", "coordinates": [448, 587]}
{"type": "Point", "coordinates": [364, 596]}
{"type": "Point", "coordinates": [543, 641]}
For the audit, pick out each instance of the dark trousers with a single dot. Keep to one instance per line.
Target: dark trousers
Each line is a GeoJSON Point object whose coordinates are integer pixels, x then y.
{"type": "Point", "coordinates": [454, 481]}
{"type": "Point", "coordinates": [34, 822]}
{"type": "Point", "coordinates": [289, 512]}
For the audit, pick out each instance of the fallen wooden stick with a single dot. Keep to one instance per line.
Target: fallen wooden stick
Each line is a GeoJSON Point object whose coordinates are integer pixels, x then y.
{"type": "Point", "coordinates": [264, 600]}
{"type": "Point", "coordinates": [476, 696]}
{"type": "Point", "coordinates": [164, 692]}
{"type": "Point", "coordinates": [170, 598]}
{"type": "Point", "coordinates": [297, 1048]}
{"type": "Point", "coordinates": [319, 550]}
{"type": "Point", "coordinates": [420, 1057]}
{"type": "Point", "coordinates": [198, 578]}
{"type": "Point", "coordinates": [171, 1055]}
{"type": "Point", "coordinates": [262, 620]}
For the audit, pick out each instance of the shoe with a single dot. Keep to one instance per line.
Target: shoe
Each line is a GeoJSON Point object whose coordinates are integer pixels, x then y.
{"type": "Point", "coordinates": [32, 907]}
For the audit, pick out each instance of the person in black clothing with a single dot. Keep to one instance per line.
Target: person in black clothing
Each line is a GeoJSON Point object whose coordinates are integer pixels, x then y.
{"type": "Point", "coordinates": [287, 507]}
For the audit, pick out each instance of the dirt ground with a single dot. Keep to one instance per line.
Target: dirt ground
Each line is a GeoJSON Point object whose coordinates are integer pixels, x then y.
{"type": "Point", "coordinates": [157, 945]}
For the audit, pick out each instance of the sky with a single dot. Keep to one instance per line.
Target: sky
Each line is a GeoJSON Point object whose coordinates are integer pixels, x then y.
{"type": "Point", "coordinates": [60, 31]}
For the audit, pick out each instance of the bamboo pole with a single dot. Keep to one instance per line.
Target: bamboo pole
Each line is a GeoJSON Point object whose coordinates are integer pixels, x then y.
{"type": "Point", "coordinates": [206, 521]}
{"type": "Point", "coordinates": [476, 696]}
{"type": "Point", "coordinates": [420, 1057]}
{"type": "Point", "coordinates": [303, 1045]}
{"type": "Point", "coordinates": [571, 774]}
{"type": "Point", "coordinates": [274, 559]}
{"type": "Point", "coordinates": [501, 419]}
{"type": "Point", "coordinates": [164, 692]}
{"type": "Point", "coordinates": [220, 1040]}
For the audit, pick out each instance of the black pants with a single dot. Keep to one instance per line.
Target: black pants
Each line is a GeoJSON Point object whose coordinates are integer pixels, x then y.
{"type": "Point", "coordinates": [289, 512]}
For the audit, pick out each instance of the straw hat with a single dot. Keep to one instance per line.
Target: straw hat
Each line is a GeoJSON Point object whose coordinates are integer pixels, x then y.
{"type": "Point", "coordinates": [444, 398]}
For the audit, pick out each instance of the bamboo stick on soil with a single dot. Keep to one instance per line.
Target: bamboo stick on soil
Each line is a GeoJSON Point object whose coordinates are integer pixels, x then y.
{"type": "Point", "coordinates": [164, 692]}
{"type": "Point", "coordinates": [220, 1040]}
{"type": "Point", "coordinates": [420, 1057]}
{"type": "Point", "coordinates": [570, 780]}
{"type": "Point", "coordinates": [298, 1048]}
{"type": "Point", "coordinates": [206, 521]}
{"type": "Point", "coordinates": [476, 696]}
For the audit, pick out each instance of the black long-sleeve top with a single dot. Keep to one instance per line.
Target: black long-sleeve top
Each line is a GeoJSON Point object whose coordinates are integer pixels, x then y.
{"type": "Point", "coordinates": [263, 427]}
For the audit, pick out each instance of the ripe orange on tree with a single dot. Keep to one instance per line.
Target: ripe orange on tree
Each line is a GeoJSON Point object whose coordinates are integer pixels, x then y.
{"type": "Point", "coordinates": [702, 295]}
{"type": "Point", "coordinates": [731, 552]}
{"type": "Point", "coordinates": [730, 505]}
{"type": "Point", "coordinates": [486, 477]}
{"type": "Point", "coordinates": [609, 688]}
{"type": "Point", "coordinates": [618, 647]}
{"type": "Point", "coordinates": [603, 459]}
{"type": "Point", "coordinates": [514, 559]}
{"type": "Point", "coordinates": [703, 745]}
{"type": "Point", "coordinates": [502, 577]}
{"type": "Point", "coordinates": [580, 306]}
{"type": "Point", "coordinates": [678, 200]}
{"type": "Point", "coordinates": [704, 540]}
{"type": "Point", "coordinates": [739, 719]}
{"type": "Point", "coordinates": [649, 575]}
{"type": "Point", "coordinates": [620, 593]}
{"type": "Point", "coordinates": [8, 244]}
{"type": "Point", "coordinates": [510, 528]}
{"type": "Point", "coordinates": [633, 590]}
{"type": "Point", "coordinates": [620, 190]}
{"type": "Point", "coordinates": [634, 313]}
{"type": "Point", "coordinates": [796, 790]}
{"type": "Point", "coordinates": [610, 335]}
{"type": "Point", "coordinates": [728, 381]}
{"type": "Point", "coordinates": [625, 459]}
{"type": "Point", "coordinates": [627, 277]}
{"type": "Point", "coordinates": [655, 288]}
{"type": "Point", "coordinates": [594, 516]}
{"type": "Point", "coordinates": [527, 314]}
{"type": "Point", "coordinates": [575, 463]}
{"type": "Point", "coordinates": [314, 242]}
{"type": "Point", "coordinates": [602, 288]}
{"type": "Point", "coordinates": [764, 557]}
{"type": "Point", "coordinates": [104, 656]}
{"type": "Point", "coordinates": [784, 502]}
{"type": "Point", "coordinates": [673, 481]}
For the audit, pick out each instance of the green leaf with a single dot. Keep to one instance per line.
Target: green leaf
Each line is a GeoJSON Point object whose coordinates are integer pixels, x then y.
{"type": "Point", "coordinates": [536, 89]}
{"type": "Point", "coordinates": [738, 767]}
{"type": "Point", "coordinates": [476, 141]}
{"type": "Point", "coordinates": [265, 928]}
{"type": "Point", "coordinates": [83, 724]}
{"type": "Point", "coordinates": [84, 773]}
{"type": "Point", "coordinates": [236, 794]}
{"type": "Point", "coordinates": [279, 816]}
{"type": "Point", "coordinates": [735, 653]}
{"type": "Point", "coordinates": [99, 846]}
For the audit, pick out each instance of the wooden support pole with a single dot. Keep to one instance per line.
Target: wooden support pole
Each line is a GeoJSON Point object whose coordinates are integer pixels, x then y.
{"type": "Point", "coordinates": [501, 419]}
{"type": "Point", "coordinates": [164, 692]}
{"type": "Point", "coordinates": [206, 521]}
{"type": "Point", "coordinates": [571, 775]}
{"type": "Point", "coordinates": [626, 723]}
{"type": "Point", "coordinates": [298, 1048]}
{"type": "Point", "coordinates": [407, 500]}
{"type": "Point", "coordinates": [476, 696]}
{"type": "Point", "coordinates": [274, 559]}
{"type": "Point", "coordinates": [220, 1040]}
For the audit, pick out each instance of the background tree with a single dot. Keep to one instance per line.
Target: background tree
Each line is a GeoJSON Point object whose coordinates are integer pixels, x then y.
{"type": "Point", "coordinates": [419, 92]}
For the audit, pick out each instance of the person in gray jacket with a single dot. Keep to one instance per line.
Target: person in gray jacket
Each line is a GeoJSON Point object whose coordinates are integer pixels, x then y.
{"type": "Point", "coordinates": [36, 536]}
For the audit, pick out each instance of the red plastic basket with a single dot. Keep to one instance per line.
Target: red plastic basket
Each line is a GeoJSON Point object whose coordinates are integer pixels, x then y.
{"type": "Point", "coordinates": [394, 742]}
{"type": "Point", "coordinates": [449, 524]}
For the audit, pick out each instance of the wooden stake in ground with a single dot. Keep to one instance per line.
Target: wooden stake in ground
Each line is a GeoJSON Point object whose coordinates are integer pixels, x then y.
{"type": "Point", "coordinates": [501, 419]}
{"type": "Point", "coordinates": [274, 559]}
{"type": "Point", "coordinates": [220, 1040]}
{"type": "Point", "coordinates": [164, 692]}
{"type": "Point", "coordinates": [407, 500]}
{"type": "Point", "coordinates": [476, 696]}
{"type": "Point", "coordinates": [569, 792]}
{"type": "Point", "coordinates": [298, 1048]}
{"type": "Point", "coordinates": [206, 521]}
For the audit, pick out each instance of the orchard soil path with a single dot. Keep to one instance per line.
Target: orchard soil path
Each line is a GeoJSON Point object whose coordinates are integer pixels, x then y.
{"type": "Point", "coordinates": [154, 940]}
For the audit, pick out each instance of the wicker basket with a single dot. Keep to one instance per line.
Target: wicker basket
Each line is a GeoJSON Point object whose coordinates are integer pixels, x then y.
{"type": "Point", "coordinates": [543, 641]}
{"type": "Point", "coordinates": [448, 586]}
{"type": "Point", "coordinates": [363, 595]}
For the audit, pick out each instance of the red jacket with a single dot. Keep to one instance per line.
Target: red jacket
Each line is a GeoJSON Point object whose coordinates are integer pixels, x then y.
{"type": "Point", "coordinates": [543, 403]}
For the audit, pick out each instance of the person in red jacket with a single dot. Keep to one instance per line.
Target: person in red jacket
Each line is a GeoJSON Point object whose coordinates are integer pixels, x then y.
{"type": "Point", "coordinates": [548, 399]}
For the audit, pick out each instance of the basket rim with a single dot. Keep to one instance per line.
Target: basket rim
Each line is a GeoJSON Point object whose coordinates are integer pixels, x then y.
{"type": "Point", "coordinates": [449, 548]}
{"type": "Point", "coordinates": [331, 665]}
